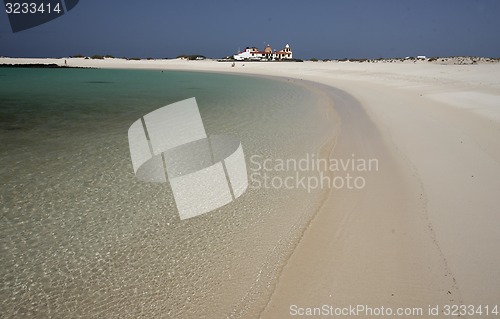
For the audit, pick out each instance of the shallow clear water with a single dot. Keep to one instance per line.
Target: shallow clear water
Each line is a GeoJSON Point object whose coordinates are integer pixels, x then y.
{"type": "Point", "coordinates": [81, 236]}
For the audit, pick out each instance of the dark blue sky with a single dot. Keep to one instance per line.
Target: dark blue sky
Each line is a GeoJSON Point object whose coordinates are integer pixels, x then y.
{"type": "Point", "coordinates": [314, 28]}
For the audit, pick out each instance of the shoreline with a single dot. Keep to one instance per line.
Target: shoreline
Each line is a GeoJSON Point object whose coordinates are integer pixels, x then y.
{"type": "Point", "coordinates": [406, 239]}
{"type": "Point", "coordinates": [310, 280]}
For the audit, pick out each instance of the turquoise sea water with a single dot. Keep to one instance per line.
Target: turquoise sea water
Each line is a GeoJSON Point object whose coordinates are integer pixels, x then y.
{"type": "Point", "coordinates": [81, 236]}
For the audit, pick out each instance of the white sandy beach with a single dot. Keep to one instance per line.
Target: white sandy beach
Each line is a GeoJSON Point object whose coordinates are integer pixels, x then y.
{"type": "Point", "coordinates": [425, 230]}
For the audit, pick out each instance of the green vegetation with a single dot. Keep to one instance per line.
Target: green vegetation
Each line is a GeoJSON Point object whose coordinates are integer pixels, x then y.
{"type": "Point", "coordinates": [313, 59]}
{"type": "Point", "coordinates": [191, 57]}
{"type": "Point", "coordinates": [95, 56]}
{"type": "Point", "coordinates": [358, 60]}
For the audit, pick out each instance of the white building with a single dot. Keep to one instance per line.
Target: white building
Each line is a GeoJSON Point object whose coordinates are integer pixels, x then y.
{"type": "Point", "coordinates": [250, 53]}
{"type": "Point", "coordinates": [253, 54]}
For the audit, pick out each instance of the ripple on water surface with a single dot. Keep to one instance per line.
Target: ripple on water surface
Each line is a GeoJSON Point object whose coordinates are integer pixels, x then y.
{"type": "Point", "coordinates": [81, 236]}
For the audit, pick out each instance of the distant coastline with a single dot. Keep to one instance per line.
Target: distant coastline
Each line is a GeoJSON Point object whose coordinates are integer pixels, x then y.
{"type": "Point", "coordinates": [94, 62]}
{"type": "Point", "coordinates": [41, 66]}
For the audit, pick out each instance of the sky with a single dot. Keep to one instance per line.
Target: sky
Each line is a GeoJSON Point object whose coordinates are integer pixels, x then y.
{"type": "Point", "coordinates": [321, 29]}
